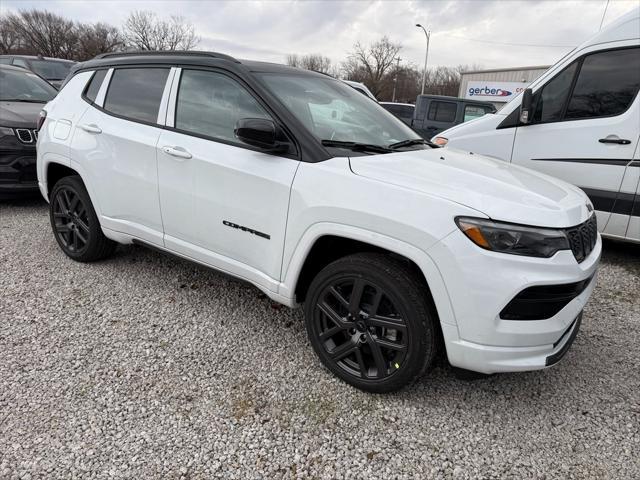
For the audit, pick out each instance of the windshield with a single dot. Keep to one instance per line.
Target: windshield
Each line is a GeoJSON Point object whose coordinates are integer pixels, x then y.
{"type": "Point", "coordinates": [24, 86]}
{"type": "Point", "coordinates": [51, 70]}
{"type": "Point", "coordinates": [335, 112]}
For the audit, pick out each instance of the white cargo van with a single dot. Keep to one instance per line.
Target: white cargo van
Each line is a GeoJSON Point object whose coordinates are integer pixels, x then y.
{"type": "Point", "coordinates": [580, 121]}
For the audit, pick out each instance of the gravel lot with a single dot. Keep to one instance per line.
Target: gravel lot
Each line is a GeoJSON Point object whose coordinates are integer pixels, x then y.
{"type": "Point", "coordinates": [145, 366]}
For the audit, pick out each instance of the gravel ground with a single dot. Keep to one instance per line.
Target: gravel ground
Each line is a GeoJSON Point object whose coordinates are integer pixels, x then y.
{"type": "Point", "coordinates": [145, 366]}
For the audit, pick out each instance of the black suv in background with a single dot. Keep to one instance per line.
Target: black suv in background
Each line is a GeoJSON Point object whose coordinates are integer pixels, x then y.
{"type": "Point", "coordinates": [435, 113]}
{"type": "Point", "coordinates": [22, 96]}
{"type": "Point", "coordinates": [53, 70]}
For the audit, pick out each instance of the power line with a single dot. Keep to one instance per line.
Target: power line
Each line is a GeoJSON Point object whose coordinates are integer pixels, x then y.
{"type": "Point", "coordinates": [507, 43]}
{"type": "Point", "coordinates": [603, 15]}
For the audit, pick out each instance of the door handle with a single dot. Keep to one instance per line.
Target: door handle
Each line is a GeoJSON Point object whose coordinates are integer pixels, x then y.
{"type": "Point", "coordinates": [615, 139]}
{"type": "Point", "coordinates": [177, 152]}
{"type": "Point", "coordinates": [91, 128]}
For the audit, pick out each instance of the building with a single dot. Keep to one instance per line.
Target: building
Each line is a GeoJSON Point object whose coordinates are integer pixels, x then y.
{"type": "Point", "coordinates": [497, 86]}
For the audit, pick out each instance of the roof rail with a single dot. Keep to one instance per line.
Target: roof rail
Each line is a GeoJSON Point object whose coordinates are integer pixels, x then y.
{"type": "Point", "coordinates": [192, 53]}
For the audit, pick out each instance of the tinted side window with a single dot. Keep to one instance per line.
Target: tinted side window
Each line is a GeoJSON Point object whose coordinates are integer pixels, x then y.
{"type": "Point", "coordinates": [405, 111]}
{"type": "Point", "coordinates": [94, 85]}
{"type": "Point", "coordinates": [395, 109]}
{"type": "Point", "coordinates": [5, 61]}
{"type": "Point", "coordinates": [442, 111]}
{"type": "Point", "coordinates": [607, 84]}
{"type": "Point", "coordinates": [136, 92]}
{"type": "Point", "coordinates": [474, 111]}
{"type": "Point", "coordinates": [20, 63]}
{"type": "Point", "coordinates": [210, 104]}
{"type": "Point", "coordinates": [553, 96]}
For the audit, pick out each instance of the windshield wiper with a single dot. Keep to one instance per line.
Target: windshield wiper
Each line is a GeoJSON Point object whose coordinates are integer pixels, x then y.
{"type": "Point", "coordinates": [22, 100]}
{"type": "Point", "coordinates": [356, 147]}
{"type": "Point", "coordinates": [412, 141]}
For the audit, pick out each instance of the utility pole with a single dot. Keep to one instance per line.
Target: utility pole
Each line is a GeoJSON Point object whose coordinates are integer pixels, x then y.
{"type": "Point", "coordinates": [426, 55]}
{"type": "Point", "coordinates": [395, 80]}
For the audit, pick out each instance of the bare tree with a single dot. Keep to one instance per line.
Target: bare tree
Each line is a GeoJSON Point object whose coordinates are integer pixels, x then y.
{"type": "Point", "coordinates": [314, 61]}
{"type": "Point", "coordinates": [9, 38]}
{"type": "Point", "coordinates": [143, 30]}
{"type": "Point", "coordinates": [96, 39]}
{"type": "Point", "coordinates": [372, 63]}
{"type": "Point", "coordinates": [43, 32]}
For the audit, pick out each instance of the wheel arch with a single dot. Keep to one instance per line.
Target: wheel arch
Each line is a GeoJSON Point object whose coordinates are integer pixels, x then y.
{"type": "Point", "coordinates": [323, 243]}
{"type": "Point", "coordinates": [55, 171]}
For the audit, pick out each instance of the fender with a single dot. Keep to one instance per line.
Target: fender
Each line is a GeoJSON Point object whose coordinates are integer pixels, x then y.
{"type": "Point", "coordinates": [43, 163]}
{"type": "Point", "coordinates": [419, 257]}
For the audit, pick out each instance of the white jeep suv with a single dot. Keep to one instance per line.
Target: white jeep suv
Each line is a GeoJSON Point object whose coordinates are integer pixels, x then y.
{"type": "Point", "coordinates": [300, 185]}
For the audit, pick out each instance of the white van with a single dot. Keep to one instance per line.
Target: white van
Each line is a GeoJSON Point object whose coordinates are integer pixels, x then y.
{"type": "Point", "coordinates": [580, 123]}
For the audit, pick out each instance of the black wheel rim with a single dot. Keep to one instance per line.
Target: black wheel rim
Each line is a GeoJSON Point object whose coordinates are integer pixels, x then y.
{"type": "Point", "coordinates": [360, 329]}
{"type": "Point", "coordinates": [70, 219]}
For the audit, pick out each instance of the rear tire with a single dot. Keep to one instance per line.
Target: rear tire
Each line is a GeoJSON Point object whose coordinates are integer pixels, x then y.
{"type": "Point", "coordinates": [370, 320]}
{"type": "Point", "coordinates": [75, 223]}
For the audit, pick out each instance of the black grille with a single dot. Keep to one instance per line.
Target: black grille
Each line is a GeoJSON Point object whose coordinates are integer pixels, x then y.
{"type": "Point", "coordinates": [25, 135]}
{"type": "Point", "coordinates": [542, 301]}
{"type": "Point", "coordinates": [582, 238]}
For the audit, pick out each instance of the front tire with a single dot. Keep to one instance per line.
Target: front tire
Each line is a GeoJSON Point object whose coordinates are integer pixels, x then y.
{"type": "Point", "coordinates": [75, 223]}
{"type": "Point", "coordinates": [371, 322]}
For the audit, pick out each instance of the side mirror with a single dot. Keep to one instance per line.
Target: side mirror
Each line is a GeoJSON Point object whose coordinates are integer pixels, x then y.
{"type": "Point", "coordinates": [261, 133]}
{"type": "Point", "coordinates": [526, 108]}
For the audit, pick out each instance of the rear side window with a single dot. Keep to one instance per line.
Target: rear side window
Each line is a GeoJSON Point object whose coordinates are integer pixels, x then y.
{"type": "Point", "coordinates": [135, 93]}
{"type": "Point", "coordinates": [474, 111]}
{"type": "Point", "coordinates": [5, 61]}
{"type": "Point", "coordinates": [442, 111]}
{"type": "Point", "coordinates": [404, 111]}
{"type": "Point", "coordinates": [607, 84]}
{"type": "Point", "coordinates": [94, 85]}
{"type": "Point", "coordinates": [210, 104]}
{"type": "Point", "coordinates": [20, 63]}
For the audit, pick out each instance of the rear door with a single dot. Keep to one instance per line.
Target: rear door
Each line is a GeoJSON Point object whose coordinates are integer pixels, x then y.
{"type": "Point", "coordinates": [115, 145]}
{"type": "Point", "coordinates": [441, 115]}
{"type": "Point", "coordinates": [586, 126]}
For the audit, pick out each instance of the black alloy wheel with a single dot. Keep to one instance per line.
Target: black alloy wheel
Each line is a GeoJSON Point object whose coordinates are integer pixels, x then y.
{"type": "Point", "coordinates": [70, 220]}
{"type": "Point", "coordinates": [360, 327]}
{"type": "Point", "coordinates": [370, 321]}
{"type": "Point", "coordinates": [74, 222]}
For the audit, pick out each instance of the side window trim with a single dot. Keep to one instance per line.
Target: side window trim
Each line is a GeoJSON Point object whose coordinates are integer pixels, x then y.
{"type": "Point", "coordinates": [173, 98]}
{"type": "Point", "coordinates": [164, 101]}
{"type": "Point", "coordinates": [102, 93]}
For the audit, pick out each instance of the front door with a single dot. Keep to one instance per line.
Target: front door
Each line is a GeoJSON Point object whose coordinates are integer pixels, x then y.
{"type": "Point", "coordinates": [585, 126]}
{"type": "Point", "coordinates": [223, 203]}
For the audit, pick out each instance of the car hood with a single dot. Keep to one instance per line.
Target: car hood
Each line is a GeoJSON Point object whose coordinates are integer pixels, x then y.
{"type": "Point", "coordinates": [19, 114]}
{"type": "Point", "coordinates": [498, 189]}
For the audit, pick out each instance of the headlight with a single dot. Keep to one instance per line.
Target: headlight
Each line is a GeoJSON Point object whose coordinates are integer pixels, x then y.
{"type": "Point", "coordinates": [6, 132]}
{"type": "Point", "coordinates": [441, 141]}
{"type": "Point", "coordinates": [513, 239]}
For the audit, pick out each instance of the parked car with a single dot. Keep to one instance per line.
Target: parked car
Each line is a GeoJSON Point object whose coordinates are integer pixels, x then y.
{"type": "Point", "coordinates": [53, 70]}
{"type": "Point", "coordinates": [582, 125]}
{"type": "Point", "coordinates": [393, 246]}
{"type": "Point", "coordinates": [22, 96]}
{"type": "Point", "coordinates": [404, 111]}
{"type": "Point", "coordinates": [435, 113]}
{"type": "Point", "coordinates": [362, 88]}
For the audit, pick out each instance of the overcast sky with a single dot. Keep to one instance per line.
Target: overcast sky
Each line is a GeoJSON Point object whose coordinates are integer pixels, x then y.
{"type": "Point", "coordinates": [462, 30]}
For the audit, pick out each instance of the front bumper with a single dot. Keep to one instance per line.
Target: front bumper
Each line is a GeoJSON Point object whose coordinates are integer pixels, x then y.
{"type": "Point", "coordinates": [18, 172]}
{"type": "Point", "coordinates": [482, 283]}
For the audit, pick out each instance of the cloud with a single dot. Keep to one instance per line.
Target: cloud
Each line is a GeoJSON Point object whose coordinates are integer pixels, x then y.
{"type": "Point", "coordinates": [269, 30]}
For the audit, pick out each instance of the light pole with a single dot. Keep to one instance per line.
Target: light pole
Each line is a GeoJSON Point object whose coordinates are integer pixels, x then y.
{"type": "Point", "coordinates": [395, 80]}
{"type": "Point", "coordinates": [426, 55]}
